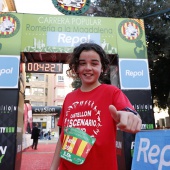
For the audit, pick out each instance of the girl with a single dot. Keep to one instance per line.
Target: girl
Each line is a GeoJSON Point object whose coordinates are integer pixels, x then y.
{"type": "Point", "coordinates": [96, 109]}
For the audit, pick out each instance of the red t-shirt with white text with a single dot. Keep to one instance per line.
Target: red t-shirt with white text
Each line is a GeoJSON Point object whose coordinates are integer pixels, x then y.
{"type": "Point", "coordinates": [89, 111]}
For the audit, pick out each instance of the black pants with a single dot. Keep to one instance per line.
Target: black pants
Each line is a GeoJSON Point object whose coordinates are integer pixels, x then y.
{"type": "Point", "coordinates": [35, 143]}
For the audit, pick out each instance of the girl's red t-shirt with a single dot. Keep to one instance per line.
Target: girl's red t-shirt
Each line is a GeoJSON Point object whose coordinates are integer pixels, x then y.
{"type": "Point", "coordinates": [89, 111]}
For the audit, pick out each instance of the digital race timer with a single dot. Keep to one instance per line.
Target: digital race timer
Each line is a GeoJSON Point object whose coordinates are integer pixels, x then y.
{"type": "Point", "coordinates": [38, 67]}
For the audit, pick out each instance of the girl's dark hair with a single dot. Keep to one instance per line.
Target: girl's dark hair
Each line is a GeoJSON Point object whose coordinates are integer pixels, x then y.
{"type": "Point", "coordinates": [74, 58]}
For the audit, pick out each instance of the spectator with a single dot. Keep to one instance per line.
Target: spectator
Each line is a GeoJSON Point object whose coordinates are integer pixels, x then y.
{"type": "Point", "coordinates": [34, 135]}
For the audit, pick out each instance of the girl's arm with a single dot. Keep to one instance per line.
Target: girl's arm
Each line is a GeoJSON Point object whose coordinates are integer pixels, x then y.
{"type": "Point", "coordinates": [56, 158]}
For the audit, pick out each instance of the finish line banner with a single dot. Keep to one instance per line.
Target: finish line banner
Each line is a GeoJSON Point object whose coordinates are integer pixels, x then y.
{"type": "Point", "coordinates": [152, 150]}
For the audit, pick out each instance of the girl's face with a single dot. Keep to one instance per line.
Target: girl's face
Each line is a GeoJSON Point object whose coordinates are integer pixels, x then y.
{"type": "Point", "coordinates": [89, 68]}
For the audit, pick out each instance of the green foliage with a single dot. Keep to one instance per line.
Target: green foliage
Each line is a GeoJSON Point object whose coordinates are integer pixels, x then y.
{"type": "Point", "coordinates": [76, 83]}
{"type": "Point", "coordinates": [28, 77]}
{"type": "Point", "coordinates": [157, 26]}
{"type": "Point", "coordinates": [160, 81]}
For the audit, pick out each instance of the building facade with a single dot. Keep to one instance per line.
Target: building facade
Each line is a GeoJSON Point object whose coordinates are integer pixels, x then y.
{"type": "Point", "coordinates": [47, 90]}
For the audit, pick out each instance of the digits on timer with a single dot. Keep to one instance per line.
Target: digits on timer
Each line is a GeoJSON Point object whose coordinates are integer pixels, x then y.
{"type": "Point", "coordinates": [44, 67]}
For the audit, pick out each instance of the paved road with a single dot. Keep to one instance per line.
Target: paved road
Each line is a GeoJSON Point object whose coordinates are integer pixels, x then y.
{"type": "Point", "coordinates": [39, 159]}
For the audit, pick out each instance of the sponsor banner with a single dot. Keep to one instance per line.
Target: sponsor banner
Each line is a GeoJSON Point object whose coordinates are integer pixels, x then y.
{"type": "Point", "coordinates": [60, 34]}
{"type": "Point", "coordinates": [8, 108]}
{"type": "Point", "coordinates": [9, 71]}
{"type": "Point", "coordinates": [117, 35]}
{"type": "Point", "coordinates": [8, 124]}
{"type": "Point", "coordinates": [143, 105]}
{"type": "Point", "coordinates": [134, 74]}
{"type": "Point", "coordinates": [10, 33]}
{"type": "Point", "coordinates": [46, 109]}
{"type": "Point", "coordinates": [7, 150]}
{"type": "Point", "coordinates": [152, 150]}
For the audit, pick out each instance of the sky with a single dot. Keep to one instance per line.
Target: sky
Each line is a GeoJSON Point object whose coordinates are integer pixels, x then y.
{"type": "Point", "coordinates": [36, 7]}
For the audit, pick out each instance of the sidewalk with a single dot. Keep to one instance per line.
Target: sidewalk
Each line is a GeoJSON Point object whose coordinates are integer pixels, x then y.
{"type": "Point", "coordinates": [41, 158]}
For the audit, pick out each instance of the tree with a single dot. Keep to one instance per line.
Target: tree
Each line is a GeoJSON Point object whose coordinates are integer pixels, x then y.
{"type": "Point", "coordinates": [156, 15]}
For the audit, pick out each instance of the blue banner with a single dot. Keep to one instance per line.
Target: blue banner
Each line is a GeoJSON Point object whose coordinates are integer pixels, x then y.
{"type": "Point", "coordinates": [152, 150]}
{"type": "Point", "coordinates": [9, 71]}
{"type": "Point", "coordinates": [134, 74]}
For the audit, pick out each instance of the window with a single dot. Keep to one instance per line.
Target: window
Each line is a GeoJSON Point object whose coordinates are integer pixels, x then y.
{"type": "Point", "coordinates": [46, 91]}
{"type": "Point", "coordinates": [60, 78]}
{"type": "Point", "coordinates": [27, 90]}
{"type": "Point", "coordinates": [46, 78]}
{"type": "Point", "coordinates": [37, 77]}
{"type": "Point", "coordinates": [44, 125]}
{"type": "Point", "coordinates": [60, 92]}
{"type": "Point", "coordinates": [35, 103]}
{"type": "Point", "coordinates": [37, 91]}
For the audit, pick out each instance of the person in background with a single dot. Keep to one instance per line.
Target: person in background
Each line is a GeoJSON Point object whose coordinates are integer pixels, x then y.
{"type": "Point", "coordinates": [95, 108]}
{"type": "Point", "coordinates": [49, 135]}
{"type": "Point", "coordinates": [41, 134]}
{"type": "Point", "coordinates": [35, 135]}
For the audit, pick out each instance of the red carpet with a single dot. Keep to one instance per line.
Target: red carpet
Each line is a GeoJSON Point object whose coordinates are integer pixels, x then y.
{"type": "Point", "coordinates": [39, 159]}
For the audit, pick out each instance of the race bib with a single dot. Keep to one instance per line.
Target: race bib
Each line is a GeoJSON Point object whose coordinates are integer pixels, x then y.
{"type": "Point", "coordinates": [76, 146]}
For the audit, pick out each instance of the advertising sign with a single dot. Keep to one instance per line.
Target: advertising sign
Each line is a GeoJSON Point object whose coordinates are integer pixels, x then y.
{"type": "Point", "coordinates": [9, 71]}
{"type": "Point", "coordinates": [143, 105]}
{"type": "Point", "coordinates": [134, 74]}
{"type": "Point", "coordinates": [46, 109]}
{"type": "Point", "coordinates": [60, 34]}
{"type": "Point", "coordinates": [8, 123]}
{"type": "Point", "coordinates": [152, 150]}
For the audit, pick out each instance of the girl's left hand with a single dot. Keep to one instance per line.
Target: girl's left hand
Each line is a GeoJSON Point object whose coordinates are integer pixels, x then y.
{"type": "Point", "coordinates": [126, 121]}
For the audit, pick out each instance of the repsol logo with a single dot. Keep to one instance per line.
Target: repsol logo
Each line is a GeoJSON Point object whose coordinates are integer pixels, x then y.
{"type": "Point", "coordinates": [71, 39]}
{"type": "Point", "coordinates": [64, 38]}
{"type": "Point", "coordinates": [6, 71]}
{"type": "Point", "coordinates": [153, 154]}
{"type": "Point", "coordinates": [134, 73]}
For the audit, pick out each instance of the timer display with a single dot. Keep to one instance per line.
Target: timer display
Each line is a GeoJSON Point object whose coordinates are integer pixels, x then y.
{"type": "Point", "coordinates": [38, 67]}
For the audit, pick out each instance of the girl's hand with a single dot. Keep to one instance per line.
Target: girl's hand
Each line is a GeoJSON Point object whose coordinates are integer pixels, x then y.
{"type": "Point", "coordinates": [126, 121]}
